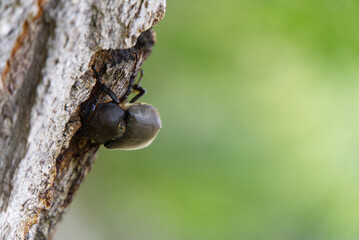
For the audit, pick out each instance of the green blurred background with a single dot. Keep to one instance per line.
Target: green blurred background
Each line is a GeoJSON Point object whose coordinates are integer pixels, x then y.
{"type": "Point", "coordinates": [260, 130]}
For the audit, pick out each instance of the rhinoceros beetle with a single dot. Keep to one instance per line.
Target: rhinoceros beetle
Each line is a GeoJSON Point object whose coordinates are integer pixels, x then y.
{"type": "Point", "coordinates": [120, 124]}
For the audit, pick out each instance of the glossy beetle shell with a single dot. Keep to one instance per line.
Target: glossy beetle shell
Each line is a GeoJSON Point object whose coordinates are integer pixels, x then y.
{"type": "Point", "coordinates": [105, 123]}
{"type": "Point", "coordinates": [143, 123]}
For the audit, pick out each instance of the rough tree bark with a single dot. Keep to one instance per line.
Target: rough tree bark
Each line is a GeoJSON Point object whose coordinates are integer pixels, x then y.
{"type": "Point", "coordinates": [46, 48]}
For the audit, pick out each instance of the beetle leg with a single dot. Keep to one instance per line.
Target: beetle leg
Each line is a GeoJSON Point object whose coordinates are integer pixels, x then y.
{"type": "Point", "coordinates": [104, 87]}
{"type": "Point", "coordinates": [135, 87]}
{"type": "Point", "coordinates": [141, 91]}
{"type": "Point", "coordinates": [129, 90]}
{"type": "Point", "coordinates": [110, 93]}
{"type": "Point", "coordinates": [132, 78]}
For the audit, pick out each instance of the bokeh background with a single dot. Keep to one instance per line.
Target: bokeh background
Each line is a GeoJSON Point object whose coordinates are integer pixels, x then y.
{"type": "Point", "coordinates": [260, 139]}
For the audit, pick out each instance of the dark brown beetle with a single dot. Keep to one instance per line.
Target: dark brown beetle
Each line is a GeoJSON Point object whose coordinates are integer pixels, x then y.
{"type": "Point", "coordinates": [126, 126]}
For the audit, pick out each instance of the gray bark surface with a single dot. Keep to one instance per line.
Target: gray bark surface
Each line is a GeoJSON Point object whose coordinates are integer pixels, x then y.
{"type": "Point", "coordinates": [46, 50]}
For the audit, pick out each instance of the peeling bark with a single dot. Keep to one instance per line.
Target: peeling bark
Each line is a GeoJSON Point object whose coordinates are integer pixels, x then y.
{"type": "Point", "coordinates": [46, 48]}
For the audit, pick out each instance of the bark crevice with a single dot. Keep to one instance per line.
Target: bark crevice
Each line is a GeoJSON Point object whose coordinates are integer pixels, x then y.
{"type": "Point", "coordinates": [44, 79]}
{"type": "Point", "coordinates": [20, 97]}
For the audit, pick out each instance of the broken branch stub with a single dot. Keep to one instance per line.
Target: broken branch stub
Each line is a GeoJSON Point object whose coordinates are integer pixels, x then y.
{"type": "Point", "coordinates": [46, 75]}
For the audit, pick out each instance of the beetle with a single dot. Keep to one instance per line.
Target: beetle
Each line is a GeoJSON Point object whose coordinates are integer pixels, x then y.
{"type": "Point", "coordinates": [120, 124]}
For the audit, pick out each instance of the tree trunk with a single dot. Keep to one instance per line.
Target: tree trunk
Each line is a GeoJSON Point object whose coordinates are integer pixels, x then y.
{"type": "Point", "coordinates": [46, 50]}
